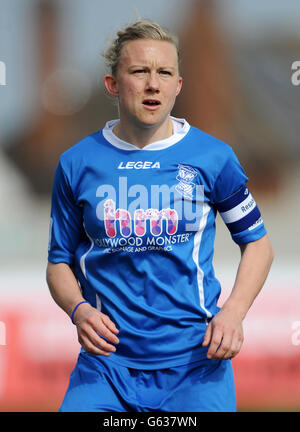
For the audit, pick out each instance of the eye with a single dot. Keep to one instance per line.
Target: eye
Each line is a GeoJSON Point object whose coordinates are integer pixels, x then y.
{"type": "Point", "coordinates": [165, 72]}
{"type": "Point", "coordinates": [139, 71]}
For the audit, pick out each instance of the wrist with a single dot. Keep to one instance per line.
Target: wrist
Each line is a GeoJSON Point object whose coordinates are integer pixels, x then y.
{"type": "Point", "coordinates": [236, 307]}
{"type": "Point", "coordinates": [77, 305]}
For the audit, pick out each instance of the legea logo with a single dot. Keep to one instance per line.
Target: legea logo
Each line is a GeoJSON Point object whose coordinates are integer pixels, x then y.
{"type": "Point", "coordinates": [139, 165]}
{"type": "Point", "coordinates": [2, 73]}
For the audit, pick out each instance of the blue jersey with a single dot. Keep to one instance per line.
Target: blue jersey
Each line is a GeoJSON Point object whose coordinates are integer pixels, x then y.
{"type": "Point", "coordinates": [138, 225]}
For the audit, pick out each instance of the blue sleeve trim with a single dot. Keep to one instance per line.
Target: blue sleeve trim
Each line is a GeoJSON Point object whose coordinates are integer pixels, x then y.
{"type": "Point", "coordinates": [248, 236]}
{"type": "Point", "coordinates": [59, 257]}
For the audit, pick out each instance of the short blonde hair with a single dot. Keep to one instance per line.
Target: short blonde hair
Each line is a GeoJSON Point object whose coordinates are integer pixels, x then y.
{"type": "Point", "coordinates": [141, 29]}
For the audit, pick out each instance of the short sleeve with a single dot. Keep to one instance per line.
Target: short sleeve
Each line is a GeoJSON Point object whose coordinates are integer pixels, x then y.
{"type": "Point", "coordinates": [235, 203]}
{"type": "Point", "coordinates": [65, 220]}
{"type": "Point", "coordinates": [230, 178]}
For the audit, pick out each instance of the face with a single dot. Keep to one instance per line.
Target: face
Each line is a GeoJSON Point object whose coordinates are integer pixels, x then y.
{"type": "Point", "coordinates": [147, 82]}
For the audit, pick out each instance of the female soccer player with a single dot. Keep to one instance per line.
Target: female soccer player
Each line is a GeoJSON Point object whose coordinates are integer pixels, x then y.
{"type": "Point", "coordinates": [131, 245]}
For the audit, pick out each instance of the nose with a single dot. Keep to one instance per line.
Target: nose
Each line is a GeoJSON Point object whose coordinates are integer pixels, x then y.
{"type": "Point", "coordinates": [153, 82]}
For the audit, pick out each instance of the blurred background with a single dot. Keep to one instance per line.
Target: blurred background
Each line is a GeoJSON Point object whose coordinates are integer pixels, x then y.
{"type": "Point", "coordinates": [238, 86]}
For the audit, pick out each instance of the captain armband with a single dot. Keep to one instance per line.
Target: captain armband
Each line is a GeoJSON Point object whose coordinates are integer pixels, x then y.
{"type": "Point", "coordinates": [240, 212]}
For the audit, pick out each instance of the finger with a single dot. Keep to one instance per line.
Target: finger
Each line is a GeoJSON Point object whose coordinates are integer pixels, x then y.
{"type": "Point", "coordinates": [236, 346]}
{"type": "Point", "coordinates": [98, 341]}
{"type": "Point", "coordinates": [225, 347]}
{"type": "Point", "coordinates": [90, 348]}
{"type": "Point", "coordinates": [216, 338]}
{"type": "Point", "coordinates": [108, 322]}
{"type": "Point", "coordinates": [105, 331]}
{"type": "Point", "coordinates": [98, 323]}
{"type": "Point", "coordinates": [207, 336]}
{"type": "Point", "coordinates": [95, 338]}
{"type": "Point", "coordinates": [94, 333]}
{"type": "Point", "coordinates": [230, 355]}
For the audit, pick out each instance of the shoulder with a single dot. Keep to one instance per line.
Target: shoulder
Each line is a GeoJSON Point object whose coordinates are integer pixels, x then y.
{"type": "Point", "coordinates": [82, 153]}
{"type": "Point", "coordinates": [81, 147]}
{"type": "Point", "coordinates": [209, 142]}
{"type": "Point", "coordinates": [209, 151]}
{"type": "Point", "coordinates": [74, 161]}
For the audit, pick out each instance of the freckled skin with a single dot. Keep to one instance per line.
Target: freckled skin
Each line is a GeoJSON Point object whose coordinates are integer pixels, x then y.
{"type": "Point", "coordinates": [147, 70]}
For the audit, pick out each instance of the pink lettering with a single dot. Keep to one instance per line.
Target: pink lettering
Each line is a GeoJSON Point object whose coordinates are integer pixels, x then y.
{"type": "Point", "coordinates": [111, 215]}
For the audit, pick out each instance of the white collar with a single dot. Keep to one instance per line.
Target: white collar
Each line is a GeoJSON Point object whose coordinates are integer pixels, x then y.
{"type": "Point", "coordinates": [180, 128]}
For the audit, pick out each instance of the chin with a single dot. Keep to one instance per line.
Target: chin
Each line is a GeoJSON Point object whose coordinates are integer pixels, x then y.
{"type": "Point", "coordinates": [152, 121]}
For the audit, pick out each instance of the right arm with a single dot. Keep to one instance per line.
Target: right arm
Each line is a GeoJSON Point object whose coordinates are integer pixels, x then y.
{"type": "Point", "coordinates": [90, 323]}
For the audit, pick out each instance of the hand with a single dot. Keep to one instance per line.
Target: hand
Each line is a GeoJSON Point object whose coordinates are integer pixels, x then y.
{"type": "Point", "coordinates": [91, 325]}
{"type": "Point", "coordinates": [224, 335]}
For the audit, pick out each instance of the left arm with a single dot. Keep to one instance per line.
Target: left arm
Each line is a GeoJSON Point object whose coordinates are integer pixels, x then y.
{"type": "Point", "coordinates": [224, 333]}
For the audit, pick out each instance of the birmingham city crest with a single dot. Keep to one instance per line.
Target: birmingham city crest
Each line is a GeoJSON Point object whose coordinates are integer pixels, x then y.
{"type": "Point", "coordinates": [185, 176]}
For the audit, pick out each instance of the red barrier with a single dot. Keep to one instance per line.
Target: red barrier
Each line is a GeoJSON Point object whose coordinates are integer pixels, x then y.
{"type": "Point", "coordinates": [40, 352]}
{"type": "Point", "coordinates": [267, 382]}
{"type": "Point", "coordinates": [41, 349]}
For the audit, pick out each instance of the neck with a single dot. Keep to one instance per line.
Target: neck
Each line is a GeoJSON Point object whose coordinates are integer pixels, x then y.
{"type": "Point", "coordinates": [142, 136]}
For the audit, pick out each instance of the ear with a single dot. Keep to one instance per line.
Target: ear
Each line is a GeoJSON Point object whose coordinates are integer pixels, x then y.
{"type": "Point", "coordinates": [111, 85]}
{"type": "Point", "coordinates": [179, 86]}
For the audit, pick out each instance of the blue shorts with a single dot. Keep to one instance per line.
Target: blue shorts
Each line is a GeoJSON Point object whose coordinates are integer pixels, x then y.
{"type": "Point", "coordinates": [98, 384]}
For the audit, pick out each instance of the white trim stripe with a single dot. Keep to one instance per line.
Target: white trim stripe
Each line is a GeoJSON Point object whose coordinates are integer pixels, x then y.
{"type": "Point", "coordinates": [196, 250]}
{"type": "Point", "coordinates": [98, 303]}
{"type": "Point", "coordinates": [239, 211]}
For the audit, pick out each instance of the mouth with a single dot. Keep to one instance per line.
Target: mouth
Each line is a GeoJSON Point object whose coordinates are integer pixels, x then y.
{"type": "Point", "coordinates": [151, 103]}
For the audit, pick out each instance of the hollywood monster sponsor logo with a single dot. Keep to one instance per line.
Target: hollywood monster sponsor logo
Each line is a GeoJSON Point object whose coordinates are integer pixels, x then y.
{"type": "Point", "coordinates": [139, 220]}
{"type": "Point", "coordinates": [132, 226]}
{"type": "Point", "coordinates": [162, 205]}
{"type": "Point", "coordinates": [141, 244]}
